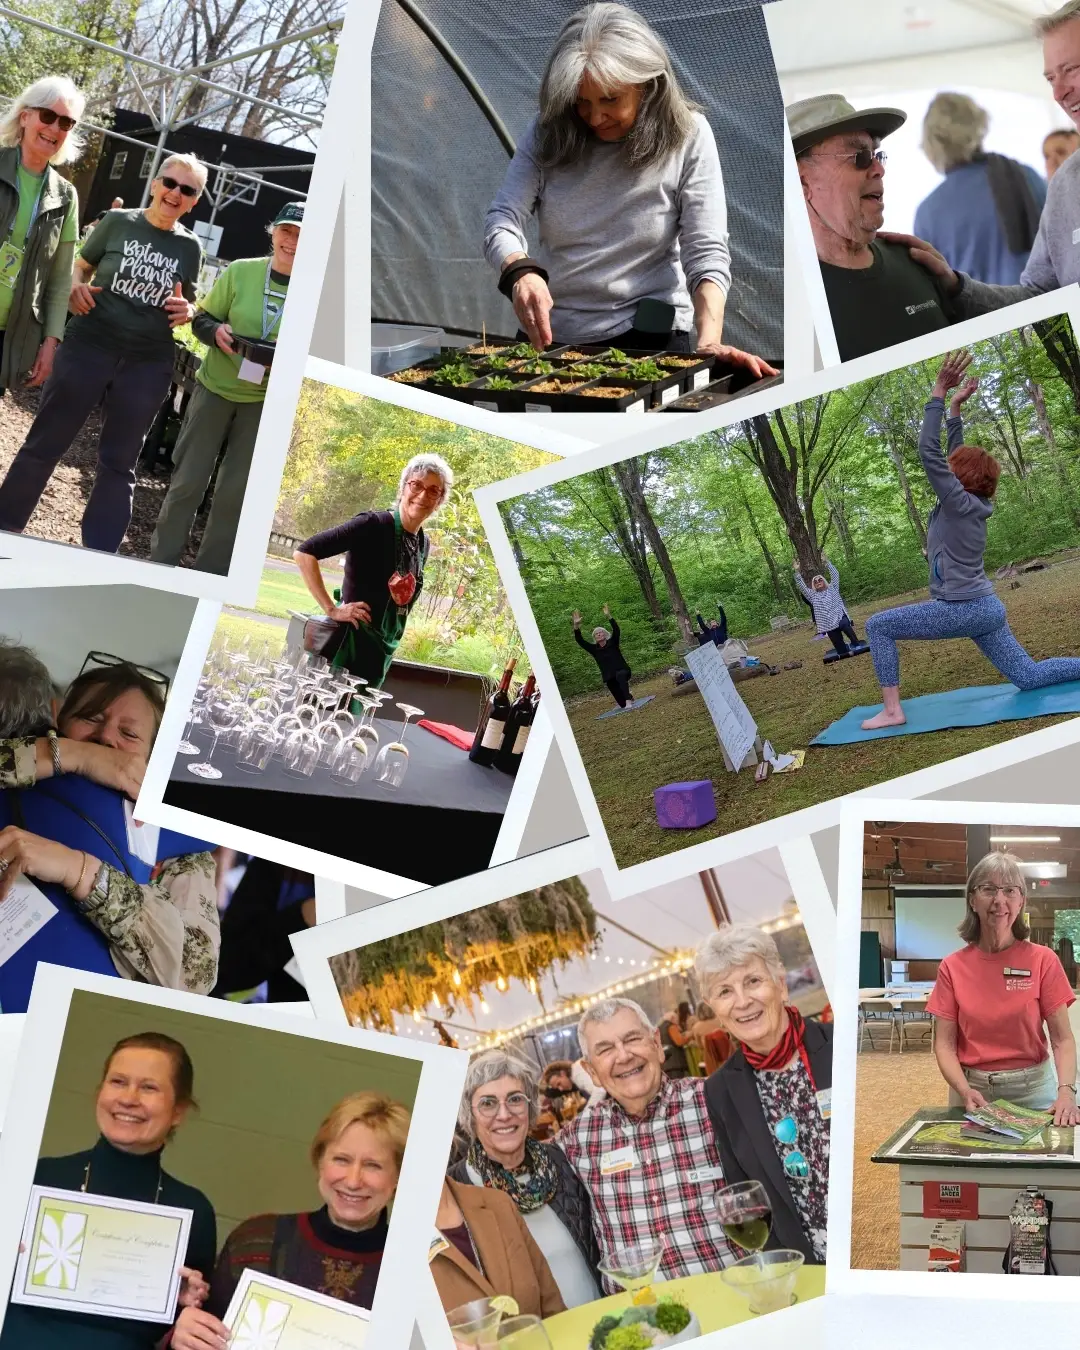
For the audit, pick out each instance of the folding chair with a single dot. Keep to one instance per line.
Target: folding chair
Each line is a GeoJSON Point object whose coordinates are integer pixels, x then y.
{"type": "Point", "coordinates": [875, 1014]}
{"type": "Point", "coordinates": [915, 1019]}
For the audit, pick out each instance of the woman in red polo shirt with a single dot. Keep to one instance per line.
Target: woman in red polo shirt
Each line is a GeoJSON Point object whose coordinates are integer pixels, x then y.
{"type": "Point", "coordinates": [997, 1000]}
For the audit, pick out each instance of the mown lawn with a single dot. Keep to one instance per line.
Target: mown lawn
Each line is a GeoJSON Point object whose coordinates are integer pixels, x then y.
{"type": "Point", "coordinates": [673, 739]}
{"type": "Point", "coordinates": [283, 589]}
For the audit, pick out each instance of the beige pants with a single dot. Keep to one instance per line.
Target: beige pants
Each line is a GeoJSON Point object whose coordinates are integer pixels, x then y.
{"type": "Point", "coordinates": [1035, 1088]}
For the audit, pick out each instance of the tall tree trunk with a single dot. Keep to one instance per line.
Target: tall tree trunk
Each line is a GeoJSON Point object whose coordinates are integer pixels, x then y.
{"type": "Point", "coordinates": [905, 487]}
{"type": "Point", "coordinates": [834, 497]}
{"type": "Point", "coordinates": [619, 527]}
{"type": "Point", "coordinates": [782, 592]}
{"type": "Point", "coordinates": [628, 474]}
{"type": "Point", "coordinates": [1059, 343]}
{"type": "Point", "coordinates": [1061, 471]}
{"type": "Point", "coordinates": [782, 481]}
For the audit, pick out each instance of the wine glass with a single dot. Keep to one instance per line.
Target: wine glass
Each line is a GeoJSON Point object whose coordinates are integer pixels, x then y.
{"type": "Point", "coordinates": [221, 713]}
{"type": "Point", "coordinates": [352, 758]}
{"type": "Point", "coordinates": [744, 1211]}
{"type": "Point", "coordinates": [475, 1323]}
{"type": "Point", "coordinates": [393, 759]}
{"type": "Point", "coordinates": [257, 744]}
{"type": "Point", "coordinates": [634, 1268]}
{"type": "Point", "coordinates": [301, 753]}
{"type": "Point", "coordinates": [187, 746]}
{"type": "Point", "coordinates": [767, 1279]}
{"type": "Point", "coordinates": [522, 1333]}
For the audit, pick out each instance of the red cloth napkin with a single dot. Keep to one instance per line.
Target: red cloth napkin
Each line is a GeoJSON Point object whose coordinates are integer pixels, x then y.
{"type": "Point", "coordinates": [462, 739]}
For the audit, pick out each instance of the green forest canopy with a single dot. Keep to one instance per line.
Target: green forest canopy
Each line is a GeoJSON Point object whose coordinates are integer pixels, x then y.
{"type": "Point", "coordinates": [346, 456]}
{"type": "Point", "coordinates": [723, 516]}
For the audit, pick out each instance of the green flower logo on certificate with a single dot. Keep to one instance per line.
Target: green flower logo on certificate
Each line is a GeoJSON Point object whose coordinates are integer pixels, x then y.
{"type": "Point", "coordinates": [59, 1249]}
{"type": "Point", "coordinates": [262, 1324]}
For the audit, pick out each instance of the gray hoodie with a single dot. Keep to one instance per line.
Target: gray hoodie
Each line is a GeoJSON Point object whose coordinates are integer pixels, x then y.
{"type": "Point", "coordinates": [956, 530]}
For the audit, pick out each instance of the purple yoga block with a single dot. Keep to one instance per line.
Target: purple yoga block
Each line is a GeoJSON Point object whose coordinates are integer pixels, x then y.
{"type": "Point", "coordinates": [684, 806]}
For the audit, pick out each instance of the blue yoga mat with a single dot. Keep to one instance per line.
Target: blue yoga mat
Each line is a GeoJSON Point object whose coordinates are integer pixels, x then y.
{"type": "Point", "coordinates": [958, 708]}
{"type": "Point", "coordinates": [637, 703]}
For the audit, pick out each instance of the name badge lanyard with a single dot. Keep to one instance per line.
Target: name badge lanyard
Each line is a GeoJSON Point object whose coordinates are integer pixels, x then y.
{"type": "Point", "coordinates": [271, 313]}
{"type": "Point", "coordinates": [33, 212]}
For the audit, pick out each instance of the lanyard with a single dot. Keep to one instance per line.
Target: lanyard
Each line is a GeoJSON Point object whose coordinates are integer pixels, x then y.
{"type": "Point", "coordinates": [33, 211]}
{"type": "Point", "coordinates": [271, 314]}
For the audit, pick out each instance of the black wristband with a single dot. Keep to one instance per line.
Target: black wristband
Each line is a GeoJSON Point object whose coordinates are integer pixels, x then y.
{"type": "Point", "coordinates": [512, 274]}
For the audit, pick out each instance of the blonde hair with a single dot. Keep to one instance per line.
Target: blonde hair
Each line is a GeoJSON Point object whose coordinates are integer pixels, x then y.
{"type": "Point", "coordinates": [44, 93]}
{"type": "Point", "coordinates": [954, 129]}
{"type": "Point", "coordinates": [1049, 23]}
{"type": "Point", "coordinates": [1002, 869]}
{"type": "Point", "coordinates": [382, 1115]}
{"type": "Point", "coordinates": [195, 167]}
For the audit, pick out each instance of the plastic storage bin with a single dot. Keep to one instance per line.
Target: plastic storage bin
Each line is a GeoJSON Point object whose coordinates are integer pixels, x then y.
{"type": "Point", "coordinates": [397, 346]}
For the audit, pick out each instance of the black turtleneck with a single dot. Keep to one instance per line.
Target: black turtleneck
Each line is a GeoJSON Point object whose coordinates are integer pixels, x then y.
{"type": "Point", "coordinates": [345, 1239]}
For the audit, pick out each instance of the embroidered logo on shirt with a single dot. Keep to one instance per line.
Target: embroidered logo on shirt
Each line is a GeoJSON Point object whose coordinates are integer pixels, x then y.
{"type": "Point", "coordinates": [918, 309]}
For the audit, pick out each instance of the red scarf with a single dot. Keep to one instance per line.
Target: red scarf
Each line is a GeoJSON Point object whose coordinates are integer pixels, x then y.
{"type": "Point", "coordinates": [790, 1044]}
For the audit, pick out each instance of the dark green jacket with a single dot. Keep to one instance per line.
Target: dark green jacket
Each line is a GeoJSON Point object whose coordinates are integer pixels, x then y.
{"type": "Point", "coordinates": [39, 306]}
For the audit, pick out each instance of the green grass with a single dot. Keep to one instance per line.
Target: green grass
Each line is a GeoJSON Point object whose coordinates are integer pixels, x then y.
{"type": "Point", "coordinates": [673, 739]}
{"type": "Point", "coordinates": [232, 627]}
{"type": "Point", "coordinates": [280, 591]}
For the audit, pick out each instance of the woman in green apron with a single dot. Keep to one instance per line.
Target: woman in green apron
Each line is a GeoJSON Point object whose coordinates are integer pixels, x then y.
{"type": "Point", "coordinates": [384, 554]}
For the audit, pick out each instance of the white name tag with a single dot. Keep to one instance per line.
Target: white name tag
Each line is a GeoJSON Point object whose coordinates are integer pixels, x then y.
{"type": "Point", "coordinates": [702, 1174]}
{"type": "Point", "coordinates": [618, 1160]}
{"type": "Point", "coordinates": [25, 912]}
{"type": "Point", "coordinates": [824, 1103]}
{"type": "Point", "coordinates": [142, 838]}
{"type": "Point", "coordinates": [250, 372]}
{"type": "Point", "coordinates": [437, 1244]}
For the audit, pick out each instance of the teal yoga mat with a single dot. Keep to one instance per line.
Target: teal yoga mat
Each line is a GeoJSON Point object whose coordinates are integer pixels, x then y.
{"type": "Point", "coordinates": [637, 703]}
{"type": "Point", "coordinates": [977, 707]}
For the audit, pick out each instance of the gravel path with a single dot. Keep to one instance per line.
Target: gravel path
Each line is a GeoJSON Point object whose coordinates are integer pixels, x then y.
{"type": "Point", "coordinates": [60, 510]}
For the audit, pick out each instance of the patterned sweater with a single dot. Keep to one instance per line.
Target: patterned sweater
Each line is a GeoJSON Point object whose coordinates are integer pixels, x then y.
{"type": "Point", "coordinates": [827, 605]}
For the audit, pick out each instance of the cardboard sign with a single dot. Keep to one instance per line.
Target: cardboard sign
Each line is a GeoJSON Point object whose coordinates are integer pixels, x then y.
{"type": "Point", "coordinates": [950, 1199]}
{"type": "Point", "coordinates": [734, 724]}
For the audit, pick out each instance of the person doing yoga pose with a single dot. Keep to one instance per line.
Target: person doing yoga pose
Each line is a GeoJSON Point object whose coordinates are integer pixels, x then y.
{"type": "Point", "coordinates": [962, 601]}
{"type": "Point", "coordinates": [830, 612]}
{"type": "Point", "coordinates": [604, 650]}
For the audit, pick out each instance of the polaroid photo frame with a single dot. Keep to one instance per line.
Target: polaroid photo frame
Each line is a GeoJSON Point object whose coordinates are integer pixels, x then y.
{"type": "Point", "coordinates": [844, 1278]}
{"type": "Point", "coordinates": [821, 816]}
{"type": "Point", "coordinates": [434, 1111]}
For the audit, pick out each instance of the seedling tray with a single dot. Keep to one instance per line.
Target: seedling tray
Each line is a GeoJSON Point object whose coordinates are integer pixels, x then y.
{"type": "Point", "coordinates": [535, 398]}
{"type": "Point", "coordinates": [695, 374]}
{"type": "Point", "coordinates": [730, 383]}
{"type": "Point", "coordinates": [498, 400]}
{"type": "Point", "coordinates": [637, 397]}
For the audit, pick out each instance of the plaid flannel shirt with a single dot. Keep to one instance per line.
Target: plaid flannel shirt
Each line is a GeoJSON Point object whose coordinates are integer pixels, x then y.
{"type": "Point", "coordinates": [664, 1192]}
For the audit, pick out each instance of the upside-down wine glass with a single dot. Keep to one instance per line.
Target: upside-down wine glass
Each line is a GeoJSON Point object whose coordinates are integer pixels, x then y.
{"type": "Point", "coordinates": [221, 713]}
{"type": "Point", "coordinates": [392, 760]}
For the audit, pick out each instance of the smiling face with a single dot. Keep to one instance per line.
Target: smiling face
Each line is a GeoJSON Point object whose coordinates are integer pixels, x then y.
{"type": "Point", "coordinates": [748, 1001]}
{"type": "Point", "coordinates": [128, 723]}
{"type": "Point", "coordinates": [625, 1059]}
{"type": "Point", "coordinates": [420, 497]}
{"type": "Point", "coordinates": [819, 584]}
{"type": "Point", "coordinates": [998, 904]}
{"type": "Point", "coordinates": [40, 143]}
{"type": "Point", "coordinates": [843, 200]}
{"type": "Point", "coordinates": [500, 1113]}
{"type": "Point", "coordinates": [170, 204]}
{"type": "Point", "coordinates": [1061, 66]}
{"type": "Point", "coordinates": [285, 239]}
{"type": "Point", "coordinates": [609, 114]}
{"type": "Point", "coordinates": [357, 1177]}
{"type": "Point", "coordinates": [136, 1103]}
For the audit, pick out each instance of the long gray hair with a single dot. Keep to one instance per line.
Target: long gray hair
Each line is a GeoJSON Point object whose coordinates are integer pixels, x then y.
{"type": "Point", "coordinates": [616, 46]}
{"type": "Point", "coordinates": [44, 93]}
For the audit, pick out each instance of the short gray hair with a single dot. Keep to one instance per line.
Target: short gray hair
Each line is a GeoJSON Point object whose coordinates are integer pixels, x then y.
{"type": "Point", "coordinates": [487, 1067]}
{"type": "Point", "coordinates": [734, 945]}
{"type": "Point", "coordinates": [953, 132]}
{"type": "Point", "coordinates": [44, 93]}
{"type": "Point", "coordinates": [600, 633]}
{"type": "Point", "coordinates": [422, 464]}
{"type": "Point", "coordinates": [1002, 869]}
{"type": "Point", "coordinates": [1049, 23]}
{"type": "Point", "coordinates": [195, 167]}
{"type": "Point", "coordinates": [616, 46]}
{"type": "Point", "coordinates": [604, 1012]}
{"type": "Point", "coordinates": [26, 692]}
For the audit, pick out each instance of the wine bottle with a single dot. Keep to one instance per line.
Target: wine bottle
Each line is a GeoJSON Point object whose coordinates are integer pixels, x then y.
{"type": "Point", "coordinates": [518, 725]}
{"type": "Point", "coordinates": [489, 733]}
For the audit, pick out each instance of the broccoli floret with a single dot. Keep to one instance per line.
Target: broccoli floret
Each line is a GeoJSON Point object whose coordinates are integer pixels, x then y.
{"type": "Point", "coordinates": [600, 1332]}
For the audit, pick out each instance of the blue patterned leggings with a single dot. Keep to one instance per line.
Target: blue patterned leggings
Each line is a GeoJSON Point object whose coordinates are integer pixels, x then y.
{"type": "Point", "coordinates": [983, 620]}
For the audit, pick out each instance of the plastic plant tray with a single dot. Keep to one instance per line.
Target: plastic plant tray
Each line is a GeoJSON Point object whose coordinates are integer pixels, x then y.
{"type": "Point", "coordinates": [534, 399]}
{"type": "Point", "coordinates": [498, 400]}
{"type": "Point", "coordinates": [730, 384]}
{"type": "Point", "coordinates": [637, 397]}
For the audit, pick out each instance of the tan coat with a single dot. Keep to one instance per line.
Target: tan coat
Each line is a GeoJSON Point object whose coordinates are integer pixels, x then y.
{"type": "Point", "coordinates": [513, 1263]}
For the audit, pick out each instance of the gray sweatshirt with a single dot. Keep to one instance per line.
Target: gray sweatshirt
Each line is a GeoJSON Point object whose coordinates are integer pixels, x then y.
{"type": "Point", "coordinates": [1055, 255]}
{"type": "Point", "coordinates": [956, 529]}
{"type": "Point", "coordinates": [612, 235]}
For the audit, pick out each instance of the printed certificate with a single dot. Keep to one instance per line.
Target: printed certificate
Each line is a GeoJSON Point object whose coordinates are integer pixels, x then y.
{"type": "Point", "coordinates": [96, 1254]}
{"type": "Point", "coordinates": [269, 1314]}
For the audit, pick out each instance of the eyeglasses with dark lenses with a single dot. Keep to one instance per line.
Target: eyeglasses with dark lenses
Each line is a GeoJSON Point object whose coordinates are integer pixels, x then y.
{"type": "Point", "coordinates": [50, 115]}
{"type": "Point", "coordinates": [862, 159]}
{"type": "Point", "coordinates": [185, 189]}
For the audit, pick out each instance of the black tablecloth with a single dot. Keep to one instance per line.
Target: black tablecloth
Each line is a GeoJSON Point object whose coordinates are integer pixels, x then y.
{"type": "Point", "coordinates": [440, 824]}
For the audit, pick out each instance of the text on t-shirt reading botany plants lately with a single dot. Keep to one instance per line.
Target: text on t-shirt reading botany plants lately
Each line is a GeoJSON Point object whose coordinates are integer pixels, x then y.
{"type": "Point", "coordinates": [144, 273]}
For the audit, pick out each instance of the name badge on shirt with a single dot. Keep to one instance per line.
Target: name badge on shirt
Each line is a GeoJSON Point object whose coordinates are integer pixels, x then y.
{"type": "Point", "coordinates": [10, 263]}
{"type": "Point", "coordinates": [824, 1103]}
{"type": "Point", "coordinates": [250, 371]}
{"type": "Point", "coordinates": [618, 1160]}
{"type": "Point", "coordinates": [703, 1174]}
{"type": "Point", "coordinates": [1012, 970]}
{"type": "Point", "coordinates": [437, 1244]}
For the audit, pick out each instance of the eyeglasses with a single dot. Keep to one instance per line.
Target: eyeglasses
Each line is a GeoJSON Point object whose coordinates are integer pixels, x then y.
{"type": "Point", "coordinates": [430, 492]}
{"type": "Point", "coordinates": [862, 159]}
{"type": "Point", "coordinates": [49, 116]}
{"type": "Point", "coordinates": [185, 189]}
{"type": "Point", "coordinates": [107, 660]}
{"type": "Point", "coordinates": [796, 1168]}
{"type": "Point", "coordinates": [1009, 892]}
{"type": "Point", "coordinates": [487, 1108]}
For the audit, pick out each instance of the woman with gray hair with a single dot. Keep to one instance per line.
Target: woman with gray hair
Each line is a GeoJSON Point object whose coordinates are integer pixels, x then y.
{"type": "Point", "coordinates": [499, 1105]}
{"type": "Point", "coordinates": [621, 171]}
{"type": "Point", "coordinates": [770, 1103]}
{"type": "Point", "coordinates": [984, 216]}
{"type": "Point", "coordinates": [385, 553]}
{"type": "Point", "coordinates": [134, 282]}
{"type": "Point", "coordinates": [997, 1001]}
{"type": "Point", "coordinates": [606, 652]}
{"type": "Point", "coordinates": [39, 226]}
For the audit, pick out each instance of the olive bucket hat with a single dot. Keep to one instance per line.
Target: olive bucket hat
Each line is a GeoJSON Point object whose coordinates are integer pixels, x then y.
{"type": "Point", "coordinates": [813, 120]}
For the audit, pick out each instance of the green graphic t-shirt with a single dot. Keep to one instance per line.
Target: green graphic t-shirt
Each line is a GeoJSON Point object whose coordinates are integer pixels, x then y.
{"type": "Point", "coordinates": [244, 299]}
{"type": "Point", "coordinates": [136, 265]}
{"type": "Point", "coordinates": [12, 250]}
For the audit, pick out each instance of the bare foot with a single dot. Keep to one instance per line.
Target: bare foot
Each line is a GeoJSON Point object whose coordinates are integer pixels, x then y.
{"type": "Point", "coordinates": [884, 719]}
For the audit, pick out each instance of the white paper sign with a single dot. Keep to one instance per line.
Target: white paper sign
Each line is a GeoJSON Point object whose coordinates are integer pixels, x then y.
{"type": "Point", "coordinates": [142, 838]}
{"type": "Point", "coordinates": [731, 717]}
{"type": "Point", "coordinates": [25, 912]}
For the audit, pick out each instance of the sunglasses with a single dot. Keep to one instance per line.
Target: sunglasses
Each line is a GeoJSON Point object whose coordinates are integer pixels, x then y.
{"type": "Point", "coordinates": [796, 1168]}
{"type": "Point", "coordinates": [49, 116]}
{"type": "Point", "coordinates": [107, 660]}
{"type": "Point", "coordinates": [185, 189]}
{"type": "Point", "coordinates": [862, 159]}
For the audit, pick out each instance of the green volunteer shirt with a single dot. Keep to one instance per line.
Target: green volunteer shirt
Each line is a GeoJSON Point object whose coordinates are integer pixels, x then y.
{"type": "Point", "coordinates": [29, 190]}
{"type": "Point", "coordinates": [241, 298]}
{"type": "Point", "coordinates": [136, 265]}
{"type": "Point", "coordinates": [878, 306]}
